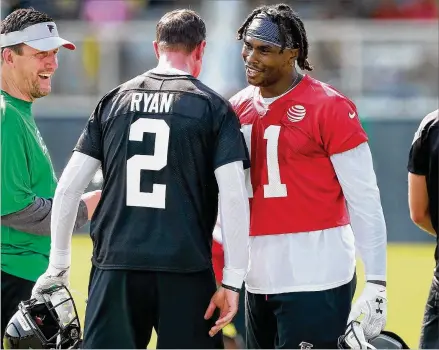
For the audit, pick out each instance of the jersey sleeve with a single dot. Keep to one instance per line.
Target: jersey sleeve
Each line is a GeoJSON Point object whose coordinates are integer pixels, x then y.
{"type": "Point", "coordinates": [89, 142]}
{"type": "Point", "coordinates": [15, 180]}
{"type": "Point", "coordinates": [230, 144]}
{"type": "Point", "coordinates": [235, 103]}
{"type": "Point", "coordinates": [340, 127]}
{"type": "Point", "coordinates": [241, 99]}
{"type": "Point", "coordinates": [418, 161]}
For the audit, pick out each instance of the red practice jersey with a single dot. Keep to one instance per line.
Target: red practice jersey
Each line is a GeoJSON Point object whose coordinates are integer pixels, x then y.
{"type": "Point", "coordinates": [217, 253]}
{"type": "Point", "coordinates": [217, 260]}
{"type": "Point", "coordinates": [294, 187]}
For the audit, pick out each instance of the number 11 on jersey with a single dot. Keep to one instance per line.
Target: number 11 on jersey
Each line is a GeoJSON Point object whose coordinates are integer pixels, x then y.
{"type": "Point", "coordinates": [275, 188]}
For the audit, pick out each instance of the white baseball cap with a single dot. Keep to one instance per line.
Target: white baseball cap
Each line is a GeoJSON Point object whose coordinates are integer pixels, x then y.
{"type": "Point", "coordinates": [41, 36]}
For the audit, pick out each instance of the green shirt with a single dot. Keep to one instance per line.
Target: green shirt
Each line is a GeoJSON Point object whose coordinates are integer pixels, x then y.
{"type": "Point", "coordinates": [27, 172]}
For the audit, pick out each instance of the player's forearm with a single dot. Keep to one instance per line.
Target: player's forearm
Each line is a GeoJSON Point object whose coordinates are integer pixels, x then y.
{"type": "Point", "coordinates": [418, 198]}
{"type": "Point", "coordinates": [426, 225]}
{"type": "Point", "coordinates": [355, 172]}
{"type": "Point", "coordinates": [35, 218]}
{"type": "Point", "coordinates": [234, 213]}
{"type": "Point", "coordinates": [72, 184]}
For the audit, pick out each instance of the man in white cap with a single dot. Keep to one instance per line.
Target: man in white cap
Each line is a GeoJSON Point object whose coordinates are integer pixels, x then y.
{"type": "Point", "coordinates": [29, 47]}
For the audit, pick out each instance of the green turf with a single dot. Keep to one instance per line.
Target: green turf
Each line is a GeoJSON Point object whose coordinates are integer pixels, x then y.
{"type": "Point", "coordinates": [410, 269]}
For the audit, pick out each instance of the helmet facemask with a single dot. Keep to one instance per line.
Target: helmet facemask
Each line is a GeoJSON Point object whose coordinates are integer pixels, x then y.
{"type": "Point", "coordinates": [52, 321]}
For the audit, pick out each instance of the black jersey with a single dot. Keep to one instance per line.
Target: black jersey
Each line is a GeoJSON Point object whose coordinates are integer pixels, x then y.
{"type": "Point", "coordinates": [424, 160]}
{"type": "Point", "coordinates": [159, 139]}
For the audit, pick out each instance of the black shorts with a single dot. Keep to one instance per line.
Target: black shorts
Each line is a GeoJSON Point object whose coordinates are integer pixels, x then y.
{"type": "Point", "coordinates": [14, 290]}
{"type": "Point", "coordinates": [124, 306]}
{"type": "Point", "coordinates": [299, 319]}
{"type": "Point", "coordinates": [430, 324]}
{"type": "Point", "coordinates": [239, 319]}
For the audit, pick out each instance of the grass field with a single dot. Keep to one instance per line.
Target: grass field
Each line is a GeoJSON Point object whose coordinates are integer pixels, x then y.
{"type": "Point", "coordinates": [410, 269]}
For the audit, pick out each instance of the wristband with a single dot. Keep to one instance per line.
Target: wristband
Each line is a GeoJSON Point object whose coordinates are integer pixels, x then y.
{"type": "Point", "coordinates": [237, 290]}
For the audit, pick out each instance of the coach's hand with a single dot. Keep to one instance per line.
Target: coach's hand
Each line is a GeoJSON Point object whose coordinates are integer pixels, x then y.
{"type": "Point", "coordinates": [227, 301]}
{"type": "Point", "coordinates": [52, 277]}
{"type": "Point", "coordinates": [370, 310]}
{"type": "Point", "coordinates": [91, 200]}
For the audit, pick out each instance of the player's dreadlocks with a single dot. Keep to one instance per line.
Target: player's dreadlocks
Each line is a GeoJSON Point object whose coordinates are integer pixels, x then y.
{"type": "Point", "coordinates": [289, 24]}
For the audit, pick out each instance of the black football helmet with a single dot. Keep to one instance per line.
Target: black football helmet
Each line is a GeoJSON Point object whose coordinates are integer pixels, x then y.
{"type": "Point", "coordinates": [51, 323]}
{"type": "Point", "coordinates": [354, 339]}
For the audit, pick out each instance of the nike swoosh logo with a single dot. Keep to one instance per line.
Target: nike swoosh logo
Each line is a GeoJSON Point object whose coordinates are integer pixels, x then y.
{"type": "Point", "coordinates": [352, 115]}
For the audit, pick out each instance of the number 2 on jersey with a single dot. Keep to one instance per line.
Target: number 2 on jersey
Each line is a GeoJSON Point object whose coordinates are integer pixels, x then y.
{"type": "Point", "coordinates": [275, 188]}
{"type": "Point", "coordinates": [137, 163]}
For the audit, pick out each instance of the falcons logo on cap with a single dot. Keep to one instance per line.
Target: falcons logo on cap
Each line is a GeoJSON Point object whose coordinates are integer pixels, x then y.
{"type": "Point", "coordinates": [51, 27]}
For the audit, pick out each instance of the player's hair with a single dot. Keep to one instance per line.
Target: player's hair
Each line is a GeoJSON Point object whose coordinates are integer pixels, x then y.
{"type": "Point", "coordinates": [290, 25]}
{"type": "Point", "coordinates": [19, 20]}
{"type": "Point", "coordinates": [180, 30]}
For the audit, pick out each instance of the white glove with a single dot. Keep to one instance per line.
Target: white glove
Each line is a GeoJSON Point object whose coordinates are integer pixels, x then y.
{"type": "Point", "coordinates": [354, 337]}
{"type": "Point", "coordinates": [52, 277]}
{"type": "Point", "coordinates": [372, 306]}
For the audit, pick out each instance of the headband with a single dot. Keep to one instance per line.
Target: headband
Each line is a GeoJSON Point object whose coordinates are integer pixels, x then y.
{"type": "Point", "coordinates": [263, 28]}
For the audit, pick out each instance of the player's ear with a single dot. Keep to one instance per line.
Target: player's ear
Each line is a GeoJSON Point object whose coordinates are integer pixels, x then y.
{"type": "Point", "coordinates": [156, 49]}
{"type": "Point", "coordinates": [292, 55]}
{"type": "Point", "coordinates": [199, 50]}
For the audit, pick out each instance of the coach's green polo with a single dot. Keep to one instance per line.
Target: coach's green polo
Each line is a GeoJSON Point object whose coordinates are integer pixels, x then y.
{"type": "Point", "coordinates": [26, 172]}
